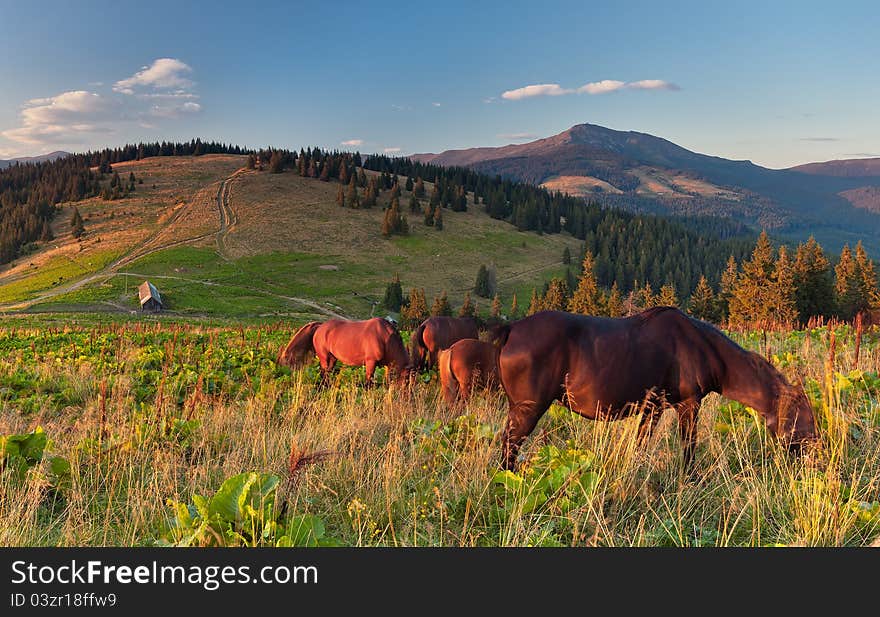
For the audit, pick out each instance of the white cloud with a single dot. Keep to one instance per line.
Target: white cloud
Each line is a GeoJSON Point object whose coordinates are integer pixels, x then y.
{"type": "Point", "coordinates": [489, 99]}
{"type": "Point", "coordinates": [437, 104]}
{"type": "Point", "coordinates": [74, 118]}
{"type": "Point", "coordinates": [652, 84]}
{"type": "Point", "coordinates": [64, 118]}
{"type": "Point", "coordinates": [596, 87]}
{"type": "Point", "coordinates": [164, 73]}
{"type": "Point", "coordinates": [602, 87]}
{"type": "Point", "coordinates": [353, 142]}
{"type": "Point", "coordinates": [517, 136]}
{"type": "Point", "coordinates": [394, 150]}
{"type": "Point", "coordinates": [535, 90]}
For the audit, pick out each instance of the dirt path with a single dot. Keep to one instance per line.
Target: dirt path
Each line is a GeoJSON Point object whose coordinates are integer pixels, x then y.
{"type": "Point", "coordinates": [228, 219]}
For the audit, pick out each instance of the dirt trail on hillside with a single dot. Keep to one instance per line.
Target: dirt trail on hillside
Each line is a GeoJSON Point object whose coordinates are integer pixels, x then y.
{"type": "Point", "coordinates": [228, 218]}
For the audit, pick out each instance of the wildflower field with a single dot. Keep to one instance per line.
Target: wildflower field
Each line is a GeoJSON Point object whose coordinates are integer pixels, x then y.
{"type": "Point", "coordinates": [151, 433]}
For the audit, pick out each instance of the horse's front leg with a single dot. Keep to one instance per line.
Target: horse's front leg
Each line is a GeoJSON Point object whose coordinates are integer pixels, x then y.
{"type": "Point", "coordinates": [370, 366]}
{"type": "Point", "coordinates": [688, 411]}
{"type": "Point", "coordinates": [522, 418]}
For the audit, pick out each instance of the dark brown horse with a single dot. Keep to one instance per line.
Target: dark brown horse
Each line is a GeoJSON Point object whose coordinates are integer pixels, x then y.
{"type": "Point", "coordinates": [436, 333]}
{"type": "Point", "coordinates": [370, 343]}
{"type": "Point", "coordinates": [466, 365]}
{"type": "Point", "coordinates": [607, 368]}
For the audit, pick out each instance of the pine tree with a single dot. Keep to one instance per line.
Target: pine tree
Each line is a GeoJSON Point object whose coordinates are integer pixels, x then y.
{"type": "Point", "coordinates": [438, 218]}
{"type": "Point", "coordinates": [419, 189]}
{"type": "Point", "coordinates": [587, 299]}
{"type": "Point", "coordinates": [729, 279]}
{"type": "Point", "coordinates": [556, 297]}
{"type": "Point", "coordinates": [429, 216]}
{"type": "Point", "coordinates": [814, 285]}
{"type": "Point", "coordinates": [416, 309]}
{"type": "Point", "coordinates": [276, 162]}
{"type": "Point", "coordinates": [468, 308]}
{"type": "Point", "coordinates": [784, 309]}
{"type": "Point", "coordinates": [483, 284]}
{"type": "Point", "coordinates": [566, 256]}
{"type": "Point", "coordinates": [441, 307]}
{"type": "Point", "coordinates": [352, 198]}
{"type": "Point", "coordinates": [77, 228]}
{"type": "Point", "coordinates": [703, 304]}
{"type": "Point", "coordinates": [393, 295]}
{"type": "Point", "coordinates": [535, 304]}
{"type": "Point", "coordinates": [324, 176]}
{"type": "Point", "coordinates": [667, 296]}
{"type": "Point", "coordinates": [614, 303]}
{"type": "Point", "coordinates": [495, 310]}
{"type": "Point", "coordinates": [340, 196]}
{"type": "Point", "coordinates": [343, 173]}
{"type": "Point", "coordinates": [847, 284]}
{"type": "Point", "coordinates": [867, 278]}
{"type": "Point", "coordinates": [394, 222]}
{"type": "Point", "coordinates": [409, 183]}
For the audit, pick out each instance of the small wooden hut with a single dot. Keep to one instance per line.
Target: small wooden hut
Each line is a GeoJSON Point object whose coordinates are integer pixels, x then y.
{"type": "Point", "coordinates": [149, 297]}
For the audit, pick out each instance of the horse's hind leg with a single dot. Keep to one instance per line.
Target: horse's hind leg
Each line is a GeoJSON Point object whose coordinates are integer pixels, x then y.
{"type": "Point", "coordinates": [328, 362]}
{"type": "Point", "coordinates": [650, 415]}
{"type": "Point", "coordinates": [521, 420]}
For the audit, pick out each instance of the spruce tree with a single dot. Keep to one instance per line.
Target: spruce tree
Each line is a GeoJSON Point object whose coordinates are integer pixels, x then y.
{"type": "Point", "coordinates": [495, 309]}
{"type": "Point", "coordinates": [702, 304]}
{"type": "Point", "coordinates": [438, 218]}
{"type": "Point", "coordinates": [77, 228]}
{"type": "Point", "coordinates": [276, 162]}
{"type": "Point", "coordinates": [813, 281]}
{"type": "Point", "coordinates": [393, 295]}
{"type": "Point", "coordinates": [587, 299]}
{"type": "Point", "coordinates": [667, 296]}
{"type": "Point", "coordinates": [352, 198]}
{"type": "Point", "coordinates": [729, 279]}
{"type": "Point", "coordinates": [535, 304]}
{"type": "Point", "coordinates": [614, 303]}
{"type": "Point", "coordinates": [566, 256]}
{"type": "Point", "coordinates": [867, 278]}
{"type": "Point", "coordinates": [429, 216]}
{"type": "Point", "coordinates": [784, 309]}
{"type": "Point", "coordinates": [483, 285]}
{"type": "Point", "coordinates": [468, 308]}
{"type": "Point", "coordinates": [416, 309]}
{"type": "Point", "coordinates": [514, 308]}
{"type": "Point", "coordinates": [414, 206]}
{"type": "Point", "coordinates": [441, 307]}
{"type": "Point", "coordinates": [409, 183]}
{"type": "Point", "coordinates": [556, 298]}
{"type": "Point", "coordinates": [419, 189]}
{"type": "Point", "coordinates": [340, 196]}
{"type": "Point", "coordinates": [847, 284]}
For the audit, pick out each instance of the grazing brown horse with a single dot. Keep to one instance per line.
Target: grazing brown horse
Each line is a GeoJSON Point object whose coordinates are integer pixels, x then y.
{"type": "Point", "coordinates": [468, 364]}
{"type": "Point", "coordinates": [606, 368]}
{"type": "Point", "coordinates": [371, 343]}
{"type": "Point", "coordinates": [436, 333]}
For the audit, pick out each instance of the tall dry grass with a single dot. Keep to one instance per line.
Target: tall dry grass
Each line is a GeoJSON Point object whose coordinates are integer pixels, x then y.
{"type": "Point", "coordinates": [400, 469]}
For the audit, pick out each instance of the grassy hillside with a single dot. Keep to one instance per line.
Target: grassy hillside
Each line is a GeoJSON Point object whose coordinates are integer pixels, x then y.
{"type": "Point", "coordinates": [281, 246]}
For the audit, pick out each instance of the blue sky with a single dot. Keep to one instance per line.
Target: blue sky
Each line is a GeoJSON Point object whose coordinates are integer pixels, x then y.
{"type": "Point", "coordinates": [779, 83]}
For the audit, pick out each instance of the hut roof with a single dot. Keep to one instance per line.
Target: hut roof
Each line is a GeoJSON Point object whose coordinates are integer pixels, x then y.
{"type": "Point", "coordinates": [147, 291]}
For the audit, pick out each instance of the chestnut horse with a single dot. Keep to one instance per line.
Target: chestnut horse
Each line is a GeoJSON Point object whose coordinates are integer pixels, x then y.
{"type": "Point", "coordinates": [468, 364]}
{"type": "Point", "coordinates": [605, 368]}
{"type": "Point", "coordinates": [436, 333]}
{"type": "Point", "coordinates": [371, 343]}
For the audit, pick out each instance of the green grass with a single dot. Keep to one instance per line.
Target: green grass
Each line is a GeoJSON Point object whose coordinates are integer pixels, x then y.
{"type": "Point", "coordinates": [59, 270]}
{"type": "Point", "coordinates": [188, 405]}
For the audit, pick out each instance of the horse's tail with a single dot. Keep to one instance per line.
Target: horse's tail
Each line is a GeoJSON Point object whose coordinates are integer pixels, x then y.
{"type": "Point", "coordinates": [418, 352]}
{"type": "Point", "coordinates": [448, 382]}
{"type": "Point", "coordinates": [300, 344]}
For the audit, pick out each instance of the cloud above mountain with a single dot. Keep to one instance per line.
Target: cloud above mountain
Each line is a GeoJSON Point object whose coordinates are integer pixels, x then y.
{"type": "Point", "coordinates": [605, 86]}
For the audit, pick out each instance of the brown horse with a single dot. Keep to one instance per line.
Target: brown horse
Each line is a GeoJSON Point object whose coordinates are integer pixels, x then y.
{"type": "Point", "coordinates": [466, 365]}
{"type": "Point", "coordinates": [436, 333]}
{"type": "Point", "coordinates": [371, 343]}
{"type": "Point", "coordinates": [606, 368]}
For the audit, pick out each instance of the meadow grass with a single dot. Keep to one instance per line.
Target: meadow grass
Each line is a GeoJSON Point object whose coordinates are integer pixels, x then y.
{"type": "Point", "coordinates": [148, 414]}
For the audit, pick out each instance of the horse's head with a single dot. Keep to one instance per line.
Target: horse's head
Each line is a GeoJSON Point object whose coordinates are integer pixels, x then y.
{"type": "Point", "coordinates": [795, 423]}
{"type": "Point", "coordinates": [296, 353]}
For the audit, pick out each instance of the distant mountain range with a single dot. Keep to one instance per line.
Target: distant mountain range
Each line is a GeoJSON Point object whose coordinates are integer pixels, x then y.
{"type": "Point", "coordinates": [34, 159]}
{"type": "Point", "coordinates": [837, 201]}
